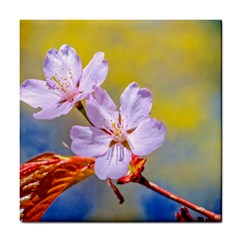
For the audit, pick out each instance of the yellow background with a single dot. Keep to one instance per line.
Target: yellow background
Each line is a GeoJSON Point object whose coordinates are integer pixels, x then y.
{"type": "Point", "coordinates": [180, 63]}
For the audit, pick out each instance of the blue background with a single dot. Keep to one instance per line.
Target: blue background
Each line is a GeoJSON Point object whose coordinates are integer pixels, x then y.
{"type": "Point", "coordinates": [180, 63]}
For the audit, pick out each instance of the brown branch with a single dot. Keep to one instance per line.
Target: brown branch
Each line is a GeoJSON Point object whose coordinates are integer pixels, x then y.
{"type": "Point", "coordinates": [116, 191]}
{"type": "Point", "coordinates": [211, 215]}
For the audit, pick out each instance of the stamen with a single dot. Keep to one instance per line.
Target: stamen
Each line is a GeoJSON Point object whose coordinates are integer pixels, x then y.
{"type": "Point", "coordinates": [70, 76]}
{"type": "Point", "coordinates": [57, 81]}
{"type": "Point", "coordinates": [104, 125]}
{"type": "Point", "coordinates": [62, 89]}
{"type": "Point", "coordinates": [114, 126]}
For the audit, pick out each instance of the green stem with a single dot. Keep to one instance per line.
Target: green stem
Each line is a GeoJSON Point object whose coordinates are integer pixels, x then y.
{"type": "Point", "coordinates": [81, 108]}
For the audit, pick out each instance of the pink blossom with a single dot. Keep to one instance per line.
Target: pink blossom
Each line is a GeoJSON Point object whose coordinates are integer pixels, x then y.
{"type": "Point", "coordinates": [66, 83]}
{"type": "Point", "coordinates": [116, 135]}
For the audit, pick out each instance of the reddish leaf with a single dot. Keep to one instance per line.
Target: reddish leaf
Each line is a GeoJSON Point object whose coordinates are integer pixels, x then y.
{"type": "Point", "coordinates": [45, 177]}
{"type": "Point", "coordinates": [136, 167]}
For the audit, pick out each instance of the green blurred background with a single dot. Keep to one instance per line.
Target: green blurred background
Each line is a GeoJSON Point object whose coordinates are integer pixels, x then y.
{"type": "Point", "coordinates": [180, 63]}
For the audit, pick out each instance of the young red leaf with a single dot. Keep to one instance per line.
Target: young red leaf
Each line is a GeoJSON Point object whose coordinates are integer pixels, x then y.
{"type": "Point", "coordinates": [136, 167]}
{"type": "Point", "coordinates": [45, 177]}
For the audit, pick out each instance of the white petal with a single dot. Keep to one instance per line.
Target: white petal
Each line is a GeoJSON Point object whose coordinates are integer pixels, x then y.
{"type": "Point", "coordinates": [54, 110]}
{"type": "Point", "coordinates": [64, 63]}
{"type": "Point", "coordinates": [94, 74]}
{"type": "Point", "coordinates": [148, 136]}
{"type": "Point", "coordinates": [89, 141]}
{"type": "Point", "coordinates": [136, 105]}
{"type": "Point", "coordinates": [113, 164]}
{"type": "Point", "coordinates": [101, 110]}
{"type": "Point", "coordinates": [37, 94]}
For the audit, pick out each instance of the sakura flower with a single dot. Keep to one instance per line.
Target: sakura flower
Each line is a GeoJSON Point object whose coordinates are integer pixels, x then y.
{"type": "Point", "coordinates": [66, 83]}
{"type": "Point", "coordinates": [116, 135]}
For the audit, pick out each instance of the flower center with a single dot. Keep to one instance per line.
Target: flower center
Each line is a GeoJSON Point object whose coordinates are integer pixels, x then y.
{"type": "Point", "coordinates": [118, 135]}
{"type": "Point", "coordinates": [63, 86]}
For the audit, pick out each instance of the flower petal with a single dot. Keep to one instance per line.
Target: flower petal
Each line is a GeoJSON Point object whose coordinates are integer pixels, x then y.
{"type": "Point", "coordinates": [63, 64]}
{"type": "Point", "coordinates": [113, 164]}
{"type": "Point", "coordinates": [136, 105]}
{"type": "Point", "coordinates": [101, 110]}
{"type": "Point", "coordinates": [89, 141]}
{"type": "Point", "coordinates": [54, 110]}
{"type": "Point", "coordinates": [148, 136]}
{"type": "Point", "coordinates": [37, 94]}
{"type": "Point", "coordinates": [94, 73]}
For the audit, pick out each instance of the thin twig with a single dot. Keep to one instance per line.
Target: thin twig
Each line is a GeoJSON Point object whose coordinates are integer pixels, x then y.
{"type": "Point", "coordinates": [211, 215]}
{"type": "Point", "coordinates": [81, 108]}
{"type": "Point", "coordinates": [116, 191]}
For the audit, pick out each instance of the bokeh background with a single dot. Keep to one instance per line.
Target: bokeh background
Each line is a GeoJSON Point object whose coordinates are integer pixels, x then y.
{"type": "Point", "coordinates": [180, 63]}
